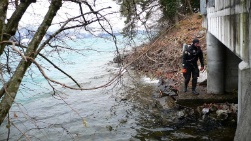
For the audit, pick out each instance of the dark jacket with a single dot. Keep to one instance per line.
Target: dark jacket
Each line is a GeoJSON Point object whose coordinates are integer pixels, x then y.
{"type": "Point", "coordinates": [191, 56]}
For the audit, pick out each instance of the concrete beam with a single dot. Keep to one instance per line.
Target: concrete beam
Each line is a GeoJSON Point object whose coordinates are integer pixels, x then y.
{"type": "Point", "coordinates": [215, 62]}
{"type": "Point", "coordinates": [232, 30]}
{"type": "Point", "coordinates": [238, 9]}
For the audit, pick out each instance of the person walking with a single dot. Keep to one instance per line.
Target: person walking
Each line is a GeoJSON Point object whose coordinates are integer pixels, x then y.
{"type": "Point", "coordinates": [190, 67]}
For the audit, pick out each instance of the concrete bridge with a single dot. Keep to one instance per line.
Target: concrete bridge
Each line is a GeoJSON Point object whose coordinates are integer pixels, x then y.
{"type": "Point", "coordinates": [228, 24]}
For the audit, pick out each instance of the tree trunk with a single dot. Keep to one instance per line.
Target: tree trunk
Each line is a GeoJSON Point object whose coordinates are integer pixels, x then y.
{"type": "Point", "coordinates": [3, 12]}
{"type": "Point", "coordinates": [15, 81]}
{"type": "Point", "coordinates": [176, 17]}
{"type": "Point", "coordinates": [10, 28]}
{"type": "Point", "coordinates": [189, 6]}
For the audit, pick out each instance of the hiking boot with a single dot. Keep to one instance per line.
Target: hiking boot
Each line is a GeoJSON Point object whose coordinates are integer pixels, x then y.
{"type": "Point", "coordinates": [194, 92]}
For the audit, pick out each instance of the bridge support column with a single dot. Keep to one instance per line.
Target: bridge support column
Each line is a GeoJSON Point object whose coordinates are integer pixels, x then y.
{"type": "Point", "coordinates": [215, 62]}
{"type": "Point", "coordinates": [243, 86]}
{"type": "Point", "coordinates": [231, 71]}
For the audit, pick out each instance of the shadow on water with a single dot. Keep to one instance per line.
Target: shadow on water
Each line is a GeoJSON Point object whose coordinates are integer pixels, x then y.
{"type": "Point", "coordinates": [158, 122]}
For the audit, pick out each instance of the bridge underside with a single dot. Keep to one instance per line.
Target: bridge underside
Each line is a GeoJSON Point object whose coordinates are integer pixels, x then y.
{"type": "Point", "coordinates": [222, 67]}
{"type": "Point", "coordinates": [229, 55]}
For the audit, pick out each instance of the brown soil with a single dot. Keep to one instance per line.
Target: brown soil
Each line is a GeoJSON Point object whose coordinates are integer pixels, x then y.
{"type": "Point", "coordinates": [162, 57]}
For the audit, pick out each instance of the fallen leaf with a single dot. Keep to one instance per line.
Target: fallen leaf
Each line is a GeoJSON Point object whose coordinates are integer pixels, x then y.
{"type": "Point", "coordinates": [15, 115]}
{"type": "Point", "coordinates": [84, 123]}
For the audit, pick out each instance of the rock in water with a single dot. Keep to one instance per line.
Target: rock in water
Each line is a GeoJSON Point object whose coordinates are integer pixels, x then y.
{"type": "Point", "coordinates": [170, 102]}
{"type": "Point", "coordinates": [205, 110]}
{"type": "Point", "coordinates": [222, 114]}
{"type": "Point", "coordinates": [119, 58]}
{"type": "Point", "coordinates": [180, 114]}
{"type": "Point", "coordinates": [165, 88]}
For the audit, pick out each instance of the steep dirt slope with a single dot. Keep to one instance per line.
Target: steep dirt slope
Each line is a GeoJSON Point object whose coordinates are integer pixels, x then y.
{"type": "Point", "coordinates": [163, 56]}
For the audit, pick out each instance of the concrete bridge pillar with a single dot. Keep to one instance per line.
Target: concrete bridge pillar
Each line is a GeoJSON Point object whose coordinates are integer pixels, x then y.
{"type": "Point", "coordinates": [231, 71]}
{"type": "Point", "coordinates": [215, 65]}
{"type": "Point", "coordinates": [243, 86]}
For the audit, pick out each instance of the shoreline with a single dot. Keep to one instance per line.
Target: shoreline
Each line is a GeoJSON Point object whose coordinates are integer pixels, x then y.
{"type": "Point", "coordinates": [161, 59]}
{"type": "Point", "coordinates": [211, 118]}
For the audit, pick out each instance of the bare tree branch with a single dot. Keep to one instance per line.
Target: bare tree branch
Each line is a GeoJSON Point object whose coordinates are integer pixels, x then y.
{"type": "Point", "coordinates": [20, 53]}
{"type": "Point", "coordinates": [27, 137]}
{"type": "Point", "coordinates": [63, 27]}
{"type": "Point", "coordinates": [16, 80]}
{"type": "Point", "coordinates": [73, 88]}
{"type": "Point", "coordinates": [8, 126]}
{"type": "Point", "coordinates": [60, 70]}
{"type": "Point", "coordinates": [36, 45]}
{"type": "Point", "coordinates": [12, 24]}
{"type": "Point", "coordinates": [13, 46]}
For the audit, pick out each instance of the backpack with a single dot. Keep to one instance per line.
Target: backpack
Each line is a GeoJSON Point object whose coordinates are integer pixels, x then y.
{"type": "Point", "coordinates": [185, 47]}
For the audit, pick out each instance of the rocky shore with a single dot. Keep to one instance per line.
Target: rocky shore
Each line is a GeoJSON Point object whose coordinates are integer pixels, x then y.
{"type": "Point", "coordinates": [163, 118]}
{"type": "Point", "coordinates": [195, 106]}
{"type": "Point", "coordinates": [161, 59]}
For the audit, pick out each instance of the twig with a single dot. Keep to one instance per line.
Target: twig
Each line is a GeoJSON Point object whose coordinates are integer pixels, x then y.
{"type": "Point", "coordinates": [49, 62]}
{"type": "Point", "coordinates": [19, 52]}
{"type": "Point", "coordinates": [151, 58]}
{"type": "Point", "coordinates": [66, 86]}
{"type": "Point", "coordinates": [60, 69]}
{"type": "Point", "coordinates": [14, 48]}
{"type": "Point", "coordinates": [71, 107]}
{"type": "Point", "coordinates": [29, 131]}
{"type": "Point", "coordinates": [151, 46]}
{"type": "Point", "coordinates": [27, 138]}
{"type": "Point", "coordinates": [8, 137]}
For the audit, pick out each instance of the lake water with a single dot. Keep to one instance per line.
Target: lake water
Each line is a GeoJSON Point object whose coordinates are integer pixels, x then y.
{"type": "Point", "coordinates": [38, 114]}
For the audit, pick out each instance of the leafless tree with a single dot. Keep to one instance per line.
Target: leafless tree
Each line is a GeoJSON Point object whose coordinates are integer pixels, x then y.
{"type": "Point", "coordinates": [13, 51]}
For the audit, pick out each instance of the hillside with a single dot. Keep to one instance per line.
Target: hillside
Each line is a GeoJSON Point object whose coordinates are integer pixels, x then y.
{"type": "Point", "coordinates": [162, 58]}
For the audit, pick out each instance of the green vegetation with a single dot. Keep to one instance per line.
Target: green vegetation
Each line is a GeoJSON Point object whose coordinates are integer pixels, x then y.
{"type": "Point", "coordinates": [145, 12]}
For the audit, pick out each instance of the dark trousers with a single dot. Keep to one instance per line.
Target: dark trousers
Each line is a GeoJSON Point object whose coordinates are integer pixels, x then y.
{"type": "Point", "coordinates": [194, 71]}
